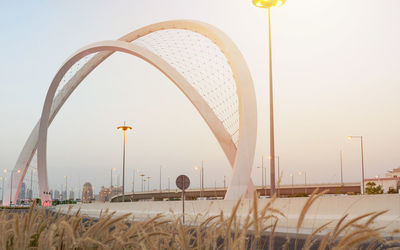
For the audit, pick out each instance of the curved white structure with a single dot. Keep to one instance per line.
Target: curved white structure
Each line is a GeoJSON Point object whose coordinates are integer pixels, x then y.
{"type": "Point", "coordinates": [202, 62]}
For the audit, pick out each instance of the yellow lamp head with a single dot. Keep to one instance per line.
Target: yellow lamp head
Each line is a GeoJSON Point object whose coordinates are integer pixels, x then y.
{"type": "Point", "coordinates": [268, 3]}
{"type": "Point", "coordinates": [349, 137]}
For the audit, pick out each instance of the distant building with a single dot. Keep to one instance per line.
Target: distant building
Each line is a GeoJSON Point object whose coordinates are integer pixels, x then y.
{"type": "Point", "coordinates": [87, 193]}
{"type": "Point", "coordinates": [22, 192]}
{"type": "Point", "coordinates": [390, 181]}
{"type": "Point", "coordinates": [106, 194]}
{"type": "Point", "coordinates": [394, 173]}
{"type": "Point", "coordinates": [71, 195]}
{"type": "Point", "coordinates": [28, 194]}
{"type": "Point", "coordinates": [56, 194]}
{"type": "Point", "coordinates": [64, 195]}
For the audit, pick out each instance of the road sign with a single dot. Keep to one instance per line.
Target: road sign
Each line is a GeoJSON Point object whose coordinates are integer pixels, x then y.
{"type": "Point", "coordinates": [182, 182]}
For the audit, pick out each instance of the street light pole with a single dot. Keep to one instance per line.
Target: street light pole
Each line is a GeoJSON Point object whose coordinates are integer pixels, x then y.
{"type": "Point", "coordinates": [362, 161]}
{"type": "Point", "coordinates": [142, 175]}
{"type": "Point", "coordinates": [202, 178]}
{"type": "Point", "coordinates": [2, 188]}
{"type": "Point", "coordinates": [148, 183]}
{"type": "Point", "coordinates": [276, 157]}
{"type": "Point", "coordinates": [305, 181]}
{"type": "Point", "coordinates": [133, 182]}
{"type": "Point", "coordinates": [271, 111]}
{"type": "Point", "coordinates": [264, 175]}
{"type": "Point", "coordinates": [112, 169]}
{"type": "Point", "coordinates": [341, 167]}
{"type": "Point", "coordinates": [160, 178]}
{"type": "Point", "coordinates": [279, 177]}
{"type": "Point", "coordinates": [292, 181]}
{"type": "Point", "coordinates": [201, 183]}
{"type": "Point", "coordinates": [268, 4]}
{"type": "Point", "coordinates": [123, 128]}
{"type": "Point", "coordinates": [224, 181]}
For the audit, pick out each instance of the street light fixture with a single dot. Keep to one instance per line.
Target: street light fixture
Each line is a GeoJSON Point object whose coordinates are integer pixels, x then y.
{"type": "Point", "coordinates": [268, 4]}
{"type": "Point", "coordinates": [362, 160]}
{"type": "Point", "coordinates": [123, 128]}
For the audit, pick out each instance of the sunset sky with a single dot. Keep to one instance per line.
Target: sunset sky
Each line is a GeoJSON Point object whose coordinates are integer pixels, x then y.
{"type": "Point", "coordinates": [336, 67]}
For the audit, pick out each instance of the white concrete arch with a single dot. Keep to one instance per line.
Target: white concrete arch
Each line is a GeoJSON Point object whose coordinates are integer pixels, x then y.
{"type": "Point", "coordinates": [241, 158]}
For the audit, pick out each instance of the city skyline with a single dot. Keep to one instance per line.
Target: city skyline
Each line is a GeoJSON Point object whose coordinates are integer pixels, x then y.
{"type": "Point", "coordinates": [313, 119]}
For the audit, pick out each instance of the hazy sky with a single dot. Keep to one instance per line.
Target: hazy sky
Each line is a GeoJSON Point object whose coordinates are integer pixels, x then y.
{"type": "Point", "coordinates": [336, 68]}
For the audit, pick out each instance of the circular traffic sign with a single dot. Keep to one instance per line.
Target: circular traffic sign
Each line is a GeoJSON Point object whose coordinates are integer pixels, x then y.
{"type": "Point", "coordinates": [182, 182]}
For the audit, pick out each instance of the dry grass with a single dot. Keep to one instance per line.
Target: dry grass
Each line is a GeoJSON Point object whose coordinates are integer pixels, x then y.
{"type": "Point", "coordinates": [40, 229]}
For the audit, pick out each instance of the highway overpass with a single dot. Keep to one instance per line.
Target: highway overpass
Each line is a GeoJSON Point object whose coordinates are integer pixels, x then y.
{"type": "Point", "coordinates": [219, 193]}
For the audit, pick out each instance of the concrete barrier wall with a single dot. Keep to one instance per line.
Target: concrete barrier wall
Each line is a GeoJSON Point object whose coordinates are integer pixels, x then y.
{"type": "Point", "coordinates": [324, 209]}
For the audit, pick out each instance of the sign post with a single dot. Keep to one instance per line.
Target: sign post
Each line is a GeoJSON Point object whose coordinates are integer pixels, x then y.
{"type": "Point", "coordinates": [183, 182]}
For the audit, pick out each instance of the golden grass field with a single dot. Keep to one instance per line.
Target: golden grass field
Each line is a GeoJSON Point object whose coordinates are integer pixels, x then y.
{"type": "Point", "coordinates": [41, 229]}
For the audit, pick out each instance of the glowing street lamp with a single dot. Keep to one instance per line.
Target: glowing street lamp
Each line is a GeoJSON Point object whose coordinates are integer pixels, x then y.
{"type": "Point", "coordinates": [268, 4]}
{"type": "Point", "coordinates": [123, 128]}
{"type": "Point", "coordinates": [362, 160]}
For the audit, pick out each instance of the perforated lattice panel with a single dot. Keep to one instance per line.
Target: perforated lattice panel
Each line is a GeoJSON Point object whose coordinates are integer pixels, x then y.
{"type": "Point", "coordinates": [204, 66]}
{"type": "Point", "coordinates": [73, 70]}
